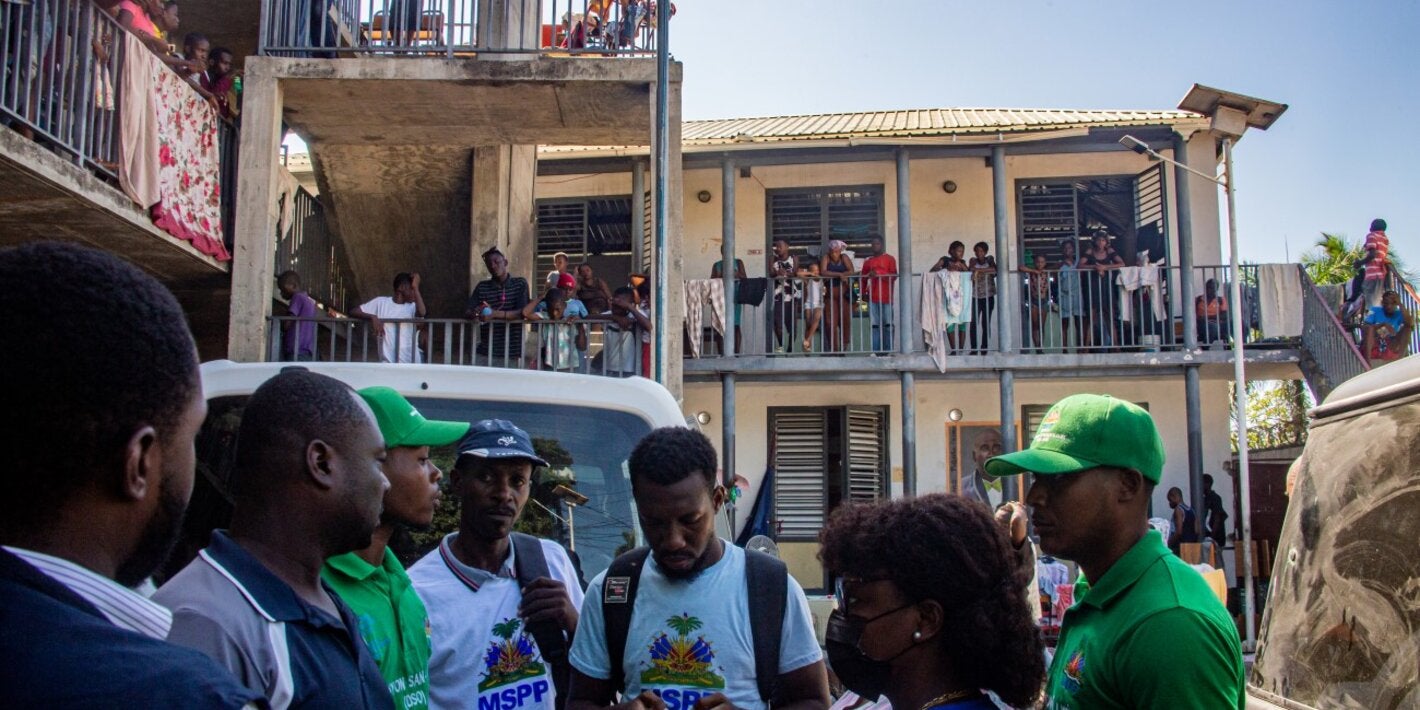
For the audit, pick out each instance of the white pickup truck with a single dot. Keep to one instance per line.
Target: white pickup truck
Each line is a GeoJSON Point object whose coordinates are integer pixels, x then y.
{"type": "Point", "coordinates": [594, 420]}
{"type": "Point", "coordinates": [1342, 625]}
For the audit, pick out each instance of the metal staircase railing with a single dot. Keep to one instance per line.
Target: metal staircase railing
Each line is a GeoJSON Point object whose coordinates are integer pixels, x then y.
{"type": "Point", "coordinates": [1329, 352]}
{"type": "Point", "coordinates": [1409, 301]}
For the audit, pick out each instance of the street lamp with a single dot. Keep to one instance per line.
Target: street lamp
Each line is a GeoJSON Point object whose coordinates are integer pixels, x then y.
{"type": "Point", "coordinates": [1232, 114]}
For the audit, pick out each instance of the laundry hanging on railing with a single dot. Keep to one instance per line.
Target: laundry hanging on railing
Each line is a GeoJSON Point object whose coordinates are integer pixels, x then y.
{"type": "Point", "coordinates": [946, 296]}
{"type": "Point", "coordinates": [700, 293]}
{"type": "Point", "coordinates": [169, 160]}
{"type": "Point", "coordinates": [1135, 278]}
{"type": "Point", "coordinates": [1279, 300]}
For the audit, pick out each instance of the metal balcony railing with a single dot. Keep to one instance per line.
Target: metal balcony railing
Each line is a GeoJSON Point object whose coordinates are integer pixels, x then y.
{"type": "Point", "coordinates": [593, 346]}
{"type": "Point", "coordinates": [1331, 352]}
{"type": "Point", "coordinates": [448, 28]}
{"type": "Point", "coordinates": [1409, 302]}
{"type": "Point", "coordinates": [63, 61]}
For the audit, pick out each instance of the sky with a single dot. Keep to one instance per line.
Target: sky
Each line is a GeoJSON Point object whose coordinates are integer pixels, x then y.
{"type": "Point", "coordinates": [1343, 153]}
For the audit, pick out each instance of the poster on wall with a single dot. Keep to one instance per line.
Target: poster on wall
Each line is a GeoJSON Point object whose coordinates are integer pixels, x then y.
{"type": "Point", "coordinates": [969, 445]}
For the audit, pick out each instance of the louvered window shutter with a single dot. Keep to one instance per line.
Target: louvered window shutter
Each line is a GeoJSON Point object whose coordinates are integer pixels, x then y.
{"type": "Point", "coordinates": [801, 438]}
{"type": "Point", "coordinates": [867, 453]}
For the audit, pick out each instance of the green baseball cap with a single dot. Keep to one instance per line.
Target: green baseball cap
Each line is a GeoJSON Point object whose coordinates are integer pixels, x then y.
{"type": "Point", "coordinates": [1086, 431]}
{"type": "Point", "coordinates": [402, 425]}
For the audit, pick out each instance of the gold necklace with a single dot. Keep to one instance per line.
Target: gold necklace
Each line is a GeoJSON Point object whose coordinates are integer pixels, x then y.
{"type": "Point", "coordinates": [948, 697]}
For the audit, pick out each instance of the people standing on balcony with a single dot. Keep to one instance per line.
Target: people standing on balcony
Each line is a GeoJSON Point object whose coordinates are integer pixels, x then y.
{"type": "Point", "coordinates": [954, 261]}
{"type": "Point", "coordinates": [983, 296]}
{"type": "Point", "coordinates": [298, 338]}
{"type": "Point", "coordinates": [1068, 296]}
{"type": "Point", "coordinates": [193, 63]}
{"type": "Point", "coordinates": [220, 81]}
{"type": "Point", "coordinates": [626, 323]}
{"type": "Point", "coordinates": [813, 300]}
{"type": "Point", "coordinates": [880, 273]}
{"type": "Point", "coordinates": [788, 296]}
{"type": "Point", "coordinates": [592, 291]}
{"type": "Point", "coordinates": [495, 302]}
{"type": "Point", "coordinates": [560, 266]}
{"type": "Point", "coordinates": [1037, 297]}
{"type": "Point", "coordinates": [837, 270]}
{"type": "Point", "coordinates": [404, 21]}
{"type": "Point", "coordinates": [1211, 312]}
{"type": "Point", "coordinates": [716, 272]}
{"type": "Point", "coordinates": [1387, 330]}
{"type": "Point", "coordinates": [1099, 262]}
{"type": "Point", "coordinates": [564, 339]}
{"type": "Point", "coordinates": [133, 15]}
{"type": "Point", "coordinates": [1377, 246]}
{"type": "Point", "coordinates": [398, 342]}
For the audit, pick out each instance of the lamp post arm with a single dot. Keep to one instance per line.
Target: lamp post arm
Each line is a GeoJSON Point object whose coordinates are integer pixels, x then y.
{"type": "Point", "coordinates": [1210, 178]}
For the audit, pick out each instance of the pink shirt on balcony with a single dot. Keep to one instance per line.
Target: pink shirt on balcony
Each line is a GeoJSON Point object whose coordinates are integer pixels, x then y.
{"type": "Point", "coordinates": [884, 268]}
{"type": "Point", "coordinates": [1375, 268]}
{"type": "Point", "coordinates": [141, 20]}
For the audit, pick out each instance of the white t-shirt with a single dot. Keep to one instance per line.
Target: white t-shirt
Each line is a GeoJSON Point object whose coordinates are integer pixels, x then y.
{"type": "Point", "coordinates": [621, 347]}
{"type": "Point", "coordinates": [482, 656]}
{"type": "Point", "coordinates": [692, 638]}
{"type": "Point", "coordinates": [385, 308]}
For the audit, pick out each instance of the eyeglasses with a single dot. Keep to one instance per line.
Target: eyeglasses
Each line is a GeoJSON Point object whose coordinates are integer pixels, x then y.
{"type": "Point", "coordinates": [840, 594]}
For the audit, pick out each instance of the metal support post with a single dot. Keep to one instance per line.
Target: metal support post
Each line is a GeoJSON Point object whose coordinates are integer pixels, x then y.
{"type": "Point", "coordinates": [727, 435]}
{"type": "Point", "coordinates": [661, 141]}
{"type": "Point", "coordinates": [727, 252]}
{"type": "Point", "coordinates": [1006, 316]}
{"type": "Point", "coordinates": [909, 434]}
{"type": "Point", "coordinates": [1011, 490]}
{"type": "Point", "coordinates": [1193, 410]}
{"type": "Point", "coordinates": [904, 326]}
{"type": "Point", "coordinates": [1240, 393]}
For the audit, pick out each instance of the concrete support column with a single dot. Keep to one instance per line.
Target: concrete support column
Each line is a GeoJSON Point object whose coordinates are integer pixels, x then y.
{"type": "Point", "coordinates": [258, 214]}
{"type": "Point", "coordinates": [506, 24]}
{"type": "Point", "coordinates": [504, 211]}
{"type": "Point", "coordinates": [1193, 410]}
{"type": "Point", "coordinates": [727, 251]}
{"type": "Point", "coordinates": [909, 434]}
{"type": "Point", "coordinates": [1011, 490]}
{"type": "Point", "coordinates": [638, 216]}
{"type": "Point", "coordinates": [905, 327]}
{"type": "Point", "coordinates": [670, 321]}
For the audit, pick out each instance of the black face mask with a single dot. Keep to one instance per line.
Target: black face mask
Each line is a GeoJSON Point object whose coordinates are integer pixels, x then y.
{"type": "Point", "coordinates": [868, 677]}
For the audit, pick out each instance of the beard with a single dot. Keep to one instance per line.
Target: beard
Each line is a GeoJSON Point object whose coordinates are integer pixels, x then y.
{"type": "Point", "coordinates": [158, 538]}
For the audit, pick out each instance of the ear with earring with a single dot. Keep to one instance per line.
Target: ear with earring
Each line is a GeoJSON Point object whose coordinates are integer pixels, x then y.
{"type": "Point", "coordinates": [916, 636]}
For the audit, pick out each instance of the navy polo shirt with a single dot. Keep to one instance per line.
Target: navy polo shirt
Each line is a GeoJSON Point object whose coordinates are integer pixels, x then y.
{"type": "Point", "coordinates": [229, 606]}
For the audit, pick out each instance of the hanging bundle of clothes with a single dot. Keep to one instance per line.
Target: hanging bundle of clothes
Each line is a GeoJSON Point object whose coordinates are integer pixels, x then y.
{"type": "Point", "coordinates": [699, 294]}
{"type": "Point", "coordinates": [946, 308]}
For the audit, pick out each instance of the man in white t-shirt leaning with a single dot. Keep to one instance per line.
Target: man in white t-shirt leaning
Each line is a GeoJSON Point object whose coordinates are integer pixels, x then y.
{"type": "Point", "coordinates": [690, 643]}
{"type": "Point", "coordinates": [484, 655]}
{"type": "Point", "coordinates": [398, 342]}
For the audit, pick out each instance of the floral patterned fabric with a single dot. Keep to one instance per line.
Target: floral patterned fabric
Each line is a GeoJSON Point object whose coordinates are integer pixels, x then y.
{"type": "Point", "coordinates": [172, 132]}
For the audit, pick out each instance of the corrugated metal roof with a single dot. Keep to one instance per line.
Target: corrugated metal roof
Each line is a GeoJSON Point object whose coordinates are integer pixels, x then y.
{"type": "Point", "coordinates": [916, 123]}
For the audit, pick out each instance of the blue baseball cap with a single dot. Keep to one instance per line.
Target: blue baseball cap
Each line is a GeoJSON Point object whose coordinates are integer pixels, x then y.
{"type": "Point", "coordinates": [498, 439]}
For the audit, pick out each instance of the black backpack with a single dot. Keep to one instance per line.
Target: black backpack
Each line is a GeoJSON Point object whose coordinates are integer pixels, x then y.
{"type": "Point", "coordinates": [529, 564]}
{"type": "Point", "coordinates": [766, 578]}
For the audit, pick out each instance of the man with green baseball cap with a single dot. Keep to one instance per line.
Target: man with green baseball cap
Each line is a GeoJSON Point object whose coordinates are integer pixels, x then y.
{"type": "Point", "coordinates": [1145, 630]}
{"type": "Point", "coordinates": [393, 621]}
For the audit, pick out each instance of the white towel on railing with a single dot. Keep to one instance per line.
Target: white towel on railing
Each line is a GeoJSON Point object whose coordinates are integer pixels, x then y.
{"type": "Point", "coordinates": [1133, 278]}
{"type": "Point", "coordinates": [1279, 300]}
{"type": "Point", "coordinates": [700, 293]}
{"type": "Point", "coordinates": [944, 298]}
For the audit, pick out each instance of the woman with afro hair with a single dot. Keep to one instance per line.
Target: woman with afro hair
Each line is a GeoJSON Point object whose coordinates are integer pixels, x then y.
{"type": "Point", "coordinates": [932, 608]}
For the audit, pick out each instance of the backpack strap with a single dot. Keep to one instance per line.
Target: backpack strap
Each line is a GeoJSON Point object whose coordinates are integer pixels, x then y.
{"type": "Point", "coordinates": [767, 578]}
{"type": "Point", "coordinates": [618, 601]}
{"type": "Point", "coordinates": [530, 563]}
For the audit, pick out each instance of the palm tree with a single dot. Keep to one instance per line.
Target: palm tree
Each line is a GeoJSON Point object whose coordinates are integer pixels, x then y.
{"type": "Point", "coordinates": [684, 624]}
{"type": "Point", "coordinates": [1333, 259]}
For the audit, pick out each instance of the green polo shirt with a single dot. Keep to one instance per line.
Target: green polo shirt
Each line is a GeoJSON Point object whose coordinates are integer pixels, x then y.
{"type": "Point", "coordinates": [393, 622]}
{"type": "Point", "coordinates": [1148, 634]}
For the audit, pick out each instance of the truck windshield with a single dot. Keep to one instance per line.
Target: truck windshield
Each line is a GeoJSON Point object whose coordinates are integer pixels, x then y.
{"type": "Point", "coordinates": [588, 448]}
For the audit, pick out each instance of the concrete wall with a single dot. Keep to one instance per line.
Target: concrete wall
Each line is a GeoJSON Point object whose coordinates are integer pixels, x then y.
{"type": "Point", "coordinates": [979, 401]}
